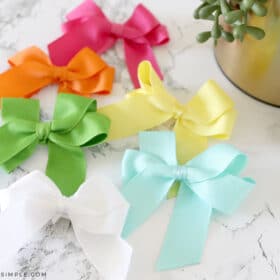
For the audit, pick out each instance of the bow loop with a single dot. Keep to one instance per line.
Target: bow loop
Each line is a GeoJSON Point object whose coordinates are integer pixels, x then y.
{"type": "Point", "coordinates": [152, 86]}
{"type": "Point", "coordinates": [149, 81]}
{"type": "Point", "coordinates": [43, 130]}
{"type": "Point", "coordinates": [149, 27]}
{"type": "Point", "coordinates": [88, 26]}
{"type": "Point", "coordinates": [213, 100]}
{"type": "Point", "coordinates": [77, 123]}
{"type": "Point", "coordinates": [210, 112]}
{"type": "Point", "coordinates": [30, 54]}
{"type": "Point", "coordinates": [219, 159]}
{"type": "Point", "coordinates": [20, 108]}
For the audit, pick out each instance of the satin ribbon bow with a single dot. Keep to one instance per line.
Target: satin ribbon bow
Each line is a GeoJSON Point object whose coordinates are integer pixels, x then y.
{"type": "Point", "coordinates": [97, 212]}
{"type": "Point", "coordinates": [31, 70]}
{"type": "Point", "coordinates": [88, 26]}
{"type": "Point", "coordinates": [209, 181]}
{"type": "Point", "coordinates": [210, 113]}
{"type": "Point", "coordinates": [75, 124]}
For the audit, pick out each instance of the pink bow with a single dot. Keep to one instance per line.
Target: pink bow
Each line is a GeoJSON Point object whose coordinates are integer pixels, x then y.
{"type": "Point", "coordinates": [87, 26]}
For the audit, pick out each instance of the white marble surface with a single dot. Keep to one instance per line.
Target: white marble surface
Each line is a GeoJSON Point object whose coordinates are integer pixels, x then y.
{"type": "Point", "coordinates": [243, 246]}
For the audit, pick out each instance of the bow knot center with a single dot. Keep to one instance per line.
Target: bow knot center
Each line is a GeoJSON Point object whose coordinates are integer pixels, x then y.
{"type": "Point", "coordinates": [117, 30]}
{"type": "Point", "coordinates": [60, 73]}
{"type": "Point", "coordinates": [63, 207]}
{"type": "Point", "coordinates": [178, 111]}
{"type": "Point", "coordinates": [43, 131]}
{"type": "Point", "coordinates": [180, 172]}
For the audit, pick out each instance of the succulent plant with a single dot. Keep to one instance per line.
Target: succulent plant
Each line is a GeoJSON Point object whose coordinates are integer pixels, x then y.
{"type": "Point", "coordinates": [235, 14]}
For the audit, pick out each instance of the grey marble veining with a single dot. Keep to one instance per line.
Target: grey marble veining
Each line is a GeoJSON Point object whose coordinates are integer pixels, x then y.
{"type": "Point", "coordinates": [244, 246]}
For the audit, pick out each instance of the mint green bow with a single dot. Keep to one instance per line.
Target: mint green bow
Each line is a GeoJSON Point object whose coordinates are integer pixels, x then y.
{"type": "Point", "coordinates": [75, 124]}
{"type": "Point", "coordinates": [209, 181]}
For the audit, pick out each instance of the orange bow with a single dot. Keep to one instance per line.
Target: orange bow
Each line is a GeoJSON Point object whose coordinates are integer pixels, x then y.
{"type": "Point", "coordinates": [32, 70]}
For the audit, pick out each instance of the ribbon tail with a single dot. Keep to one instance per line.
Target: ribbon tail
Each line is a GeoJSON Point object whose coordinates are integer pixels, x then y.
{"type": "Point", "coordinates": [66, 167]}
{"type": "Point", "coordinates": [98, 227]}
{"type": "Point", "coordinates": [144, 194]}
{"type": "Point", "coordinates": [108, 253]}
{"type": "Point", "coordinates": [136, 53]}
{"type": "Point", "coordinates": [187, 231]}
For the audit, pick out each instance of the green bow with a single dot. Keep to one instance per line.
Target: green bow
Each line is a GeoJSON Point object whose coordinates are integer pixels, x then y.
{"type": "Point", "coordinates": [75, 124]}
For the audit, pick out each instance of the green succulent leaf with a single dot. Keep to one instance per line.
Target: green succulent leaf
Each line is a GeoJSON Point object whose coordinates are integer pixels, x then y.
{"type": "Point", "coordinates": [227, 36]}
{"type": "Point", "coordinates": [196, 11]}
{"type": "Point", "coordinates": [256, 32]}
{"type": "Point", "coordinates": [239, 32]}
{"type": "Point", "coordinates": [247, 4]}
{"type": "Point", "coordinates": [224, 7]}
{"type": "Point", "coordinates": [233, 16]}
{"type": "Point", "coordinates": [259, 9]}
{"type": "Point", "coordinates": [203, 36]}
{"type": "Point", "coordinates": [216, 31]}
{"type": "Point", "coordinates": [206, 11]}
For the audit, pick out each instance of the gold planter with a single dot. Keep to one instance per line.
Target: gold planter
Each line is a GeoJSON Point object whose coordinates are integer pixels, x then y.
{"type": "Point", "coordinates": [254, 66]}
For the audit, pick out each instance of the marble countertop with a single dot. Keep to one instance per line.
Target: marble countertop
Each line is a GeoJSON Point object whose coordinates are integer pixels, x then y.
{"type": "Point", "coordinates": [243, 246]}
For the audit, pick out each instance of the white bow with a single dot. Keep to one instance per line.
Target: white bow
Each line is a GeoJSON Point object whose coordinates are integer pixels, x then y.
{"type": "Point", "coordinates": [97, 212]}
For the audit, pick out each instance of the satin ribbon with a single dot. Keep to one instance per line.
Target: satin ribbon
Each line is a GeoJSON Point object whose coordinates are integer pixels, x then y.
{"type": "Point", "coordinates": [97, 213]}
{"type": "Point", "coordinates": [209, 113]}
{"type": "Point", "coordinates": [88, 26]}
{"type": "Point", "coordinates": [31, 70]}
{"type": "Point", "coordinates": [75, 125]}
{"type": "Point", "coordinates": [208, 182]}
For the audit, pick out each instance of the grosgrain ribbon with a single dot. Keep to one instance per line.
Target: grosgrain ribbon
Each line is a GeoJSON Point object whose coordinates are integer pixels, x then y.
{"type": "Point", "coordinates": [210, 113]}
{"type": "Point", "coordinates": [75, 124]}
{"type": "Point", "coordinates": [97, 213]}
{"type": "Point", "coordinates": [88, 26]}
{"type": "Point", "coordinates": [85, 74]}
{"type": "Point", "coordinates": [209, 181]}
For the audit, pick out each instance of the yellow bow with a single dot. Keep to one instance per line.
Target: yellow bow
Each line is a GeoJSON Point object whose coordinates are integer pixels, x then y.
{"type": "Point", "coordinates": [209, 113]}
